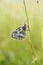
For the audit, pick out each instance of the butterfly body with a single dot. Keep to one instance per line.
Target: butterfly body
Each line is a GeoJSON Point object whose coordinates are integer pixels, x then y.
{"type": "Point", "coordinates": [19, 33]}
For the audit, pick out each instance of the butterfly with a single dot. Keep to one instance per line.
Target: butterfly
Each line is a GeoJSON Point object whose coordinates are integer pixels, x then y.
{"type": "Point", "coordinates": [19, 33]}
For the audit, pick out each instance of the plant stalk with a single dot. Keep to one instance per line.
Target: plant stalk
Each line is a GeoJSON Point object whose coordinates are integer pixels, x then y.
{"type": "Point", "coordinates": [26, 14]}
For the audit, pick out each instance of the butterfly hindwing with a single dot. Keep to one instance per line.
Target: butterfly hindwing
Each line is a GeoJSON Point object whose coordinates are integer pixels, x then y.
{"type": "Point", "coordinates": [19, 33]}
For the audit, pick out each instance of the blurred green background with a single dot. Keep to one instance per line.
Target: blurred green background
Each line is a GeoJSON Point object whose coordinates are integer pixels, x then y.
{"type": "Point", "coordinates": [28, 51]}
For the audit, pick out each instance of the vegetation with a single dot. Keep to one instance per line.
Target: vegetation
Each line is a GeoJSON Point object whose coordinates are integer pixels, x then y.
{"type": "Point", "coordinates": [28, 51]}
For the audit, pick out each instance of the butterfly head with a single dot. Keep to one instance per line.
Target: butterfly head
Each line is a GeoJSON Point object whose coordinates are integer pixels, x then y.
{"type": "Point", "coordinates": [24, 27]}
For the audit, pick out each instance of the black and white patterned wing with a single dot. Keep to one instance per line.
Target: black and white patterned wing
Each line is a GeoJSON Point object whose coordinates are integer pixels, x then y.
{"type": "Point", "coordinates": [19, 33]}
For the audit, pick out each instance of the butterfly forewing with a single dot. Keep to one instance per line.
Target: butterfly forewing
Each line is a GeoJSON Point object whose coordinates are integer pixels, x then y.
{"type": "Point", "coordinates": [19, 33]}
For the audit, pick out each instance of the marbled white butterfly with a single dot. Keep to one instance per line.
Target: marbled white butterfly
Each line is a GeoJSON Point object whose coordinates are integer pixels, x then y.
{"type": "Point", "coordinates": [19, 33]}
